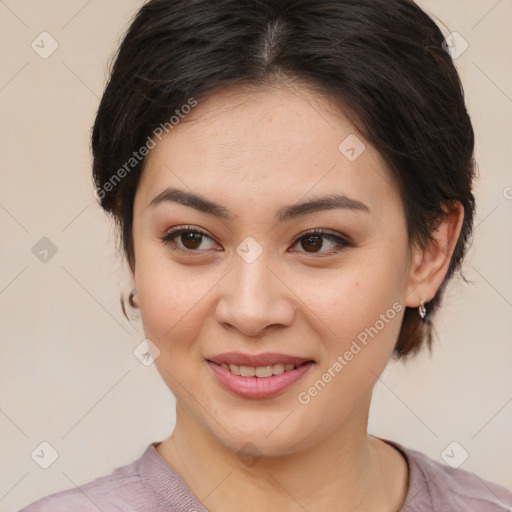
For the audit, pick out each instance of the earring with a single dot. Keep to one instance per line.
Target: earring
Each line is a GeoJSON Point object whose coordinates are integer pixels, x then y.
{"type": "Point", "coordinates": [130, 298]}
{"type": "Point", "coordinates": [421, 309]}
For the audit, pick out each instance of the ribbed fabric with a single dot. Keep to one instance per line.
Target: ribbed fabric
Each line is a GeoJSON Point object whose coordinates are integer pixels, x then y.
{"type": "Point", "coordinates": [149, 484]}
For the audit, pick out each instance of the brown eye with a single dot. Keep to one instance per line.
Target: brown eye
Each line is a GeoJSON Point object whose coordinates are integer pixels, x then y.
{"type": "Point", "coordinates": [313, 243]}
{"type": "Point", "coordinates": [191, 240]}
{"type": "Point", "coordinates": [186, 240]}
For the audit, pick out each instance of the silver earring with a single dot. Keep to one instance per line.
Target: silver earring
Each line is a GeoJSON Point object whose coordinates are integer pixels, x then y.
{"type": "Point", "coordinates": [130, 298]}
{"type": "Point", "coordinates": [421, 309]}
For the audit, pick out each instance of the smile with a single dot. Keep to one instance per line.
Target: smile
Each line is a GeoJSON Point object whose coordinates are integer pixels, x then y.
{"type": "Point", "coordinates": [257, 382]}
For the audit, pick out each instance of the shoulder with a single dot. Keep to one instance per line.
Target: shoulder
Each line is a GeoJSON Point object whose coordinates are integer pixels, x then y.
{"type": "Point", "coordinates": [120, 490]}
{"type": "Point", "coordinates": [437, 486]}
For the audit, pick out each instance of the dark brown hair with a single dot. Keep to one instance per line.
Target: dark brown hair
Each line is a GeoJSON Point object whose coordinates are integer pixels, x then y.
{"type": "Point", "coordinates": [383, 60]}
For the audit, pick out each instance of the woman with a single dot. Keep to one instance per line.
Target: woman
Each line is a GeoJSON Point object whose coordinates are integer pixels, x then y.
{"type": "Point", "coordinates": [293, 187]}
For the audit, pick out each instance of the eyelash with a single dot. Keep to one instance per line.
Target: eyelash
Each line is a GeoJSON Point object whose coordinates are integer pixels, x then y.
{"type": "Point", "coordinates": [341, 243]}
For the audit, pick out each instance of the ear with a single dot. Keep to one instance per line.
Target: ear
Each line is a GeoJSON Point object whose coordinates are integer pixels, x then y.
{"type": "Point", "coordinates": [131, 269]}
{"type": "Point", "coordinates": [430, 265]}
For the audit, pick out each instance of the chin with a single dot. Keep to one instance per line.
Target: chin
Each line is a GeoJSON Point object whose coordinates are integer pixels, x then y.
{"type": "Point", "coordinates": [267, 438]}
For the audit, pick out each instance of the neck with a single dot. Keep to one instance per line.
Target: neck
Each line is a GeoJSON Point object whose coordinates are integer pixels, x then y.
{"type": "Point", "coordinates": [348, 471]}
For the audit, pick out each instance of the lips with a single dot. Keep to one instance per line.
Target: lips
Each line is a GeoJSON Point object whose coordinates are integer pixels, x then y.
{"type": "Point", "coordinates": [258, 376]}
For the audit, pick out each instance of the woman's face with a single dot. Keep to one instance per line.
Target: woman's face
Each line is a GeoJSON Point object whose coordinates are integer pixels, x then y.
{"type": "Point", "coordinates": [251, 283]}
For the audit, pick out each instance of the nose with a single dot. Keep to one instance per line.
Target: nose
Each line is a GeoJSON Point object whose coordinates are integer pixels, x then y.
{"type": "Point", "coordinates": [254, 297]}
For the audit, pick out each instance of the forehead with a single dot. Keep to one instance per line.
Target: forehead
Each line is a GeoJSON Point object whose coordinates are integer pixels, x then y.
{"type": "Point", "coordinates": [242, 146]}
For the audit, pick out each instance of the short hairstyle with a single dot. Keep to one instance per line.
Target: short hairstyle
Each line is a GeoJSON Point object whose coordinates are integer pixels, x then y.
{"type": "Point", "coordinates": [381, 61]}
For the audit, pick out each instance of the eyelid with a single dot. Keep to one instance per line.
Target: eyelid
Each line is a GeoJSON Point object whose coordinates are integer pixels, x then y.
{"type": "Point", "coordinates": [338, 238]}
{"type": "Point", "coordinates": [167, 239]}
{"type": "Point", "coordinates": [323, 231]}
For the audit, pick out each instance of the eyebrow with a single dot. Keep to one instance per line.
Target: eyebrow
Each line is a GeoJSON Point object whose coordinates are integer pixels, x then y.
{"type": "Point", "coordinates": [328, 202]}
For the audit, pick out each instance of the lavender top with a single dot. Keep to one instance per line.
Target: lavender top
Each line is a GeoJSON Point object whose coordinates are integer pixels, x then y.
{"type": "Point", "coordinates": [149, 484]}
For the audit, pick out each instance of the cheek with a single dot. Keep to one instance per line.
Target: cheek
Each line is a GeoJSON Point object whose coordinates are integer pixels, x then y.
{"type": "Point", "coordinates": [170, 298]}
{"type": "Point", "coordinates": [360, 321]}
{"type": "Point", "coordinates": [362, 302]}
{"type": "Point", "coordinates": [173, 307]}
{"type": "Point", "coordinates": [353, 295]}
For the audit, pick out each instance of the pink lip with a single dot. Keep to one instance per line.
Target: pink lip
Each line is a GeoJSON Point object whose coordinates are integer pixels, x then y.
{"type": "Point", "coordinates": [265, 359]}
{"type": "Point", "coordinates": [258, 387]}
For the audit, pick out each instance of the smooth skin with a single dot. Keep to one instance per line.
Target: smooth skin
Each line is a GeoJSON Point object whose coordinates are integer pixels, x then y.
{"type": "Point", "coordinates": [255, 152]}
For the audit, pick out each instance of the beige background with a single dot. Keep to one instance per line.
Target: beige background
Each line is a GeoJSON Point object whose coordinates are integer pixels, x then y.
{"type": "Point", "coordinates": [67, 372]}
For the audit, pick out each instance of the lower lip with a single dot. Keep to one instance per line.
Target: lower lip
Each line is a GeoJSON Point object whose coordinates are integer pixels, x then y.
{"type": "Point", "coordinates": [258, 387]}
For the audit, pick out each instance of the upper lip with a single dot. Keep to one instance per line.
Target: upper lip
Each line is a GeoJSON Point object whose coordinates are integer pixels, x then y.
{"type": "Point", "coordinates": [265, 359]}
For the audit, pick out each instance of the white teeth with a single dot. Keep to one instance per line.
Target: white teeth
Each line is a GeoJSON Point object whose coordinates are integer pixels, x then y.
{"type": "Point", "coordinates": [277, 369]}
{"type": "Point", "coordinates": [234, 368]}
{"type": "Point", "coordinates": [258, 371]}
{"type": "Point", "coordinates": [264, 371]}
{"type": "Point", "coordinates": [247, 371]}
